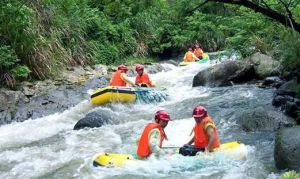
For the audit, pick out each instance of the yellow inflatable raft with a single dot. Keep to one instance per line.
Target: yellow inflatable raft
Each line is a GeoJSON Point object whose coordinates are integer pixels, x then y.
{"type": "Point", "coordinates": [113, 94]}
{"type": "Point", "coordinates": [232, 150]}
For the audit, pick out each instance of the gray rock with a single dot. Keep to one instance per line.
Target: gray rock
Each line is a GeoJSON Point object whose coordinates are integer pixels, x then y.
{"type": "Point", "coordinates": [154, 68]}
{"type": "Point", "coordinates": [273, 81]}
{"type": "Point", "coordinates": [93, 119]}
{"type": "Point", "coordinates": [264, 65]}
{"type": "Point", "coordinates": [8, 102]}
{"type": "Point", "coordinates": [258, 118]}
{"type": "Point", "coordinates": [292, 109]}
{"type": "Point", "coordinates": [287, 148]}
{"type": "Point", "coordinates": [102, 69]}
{"type": "Point", "coordinates": [279, 101]}
{"type": "Point", "coordinates": [288, 88]}
{"type": "Point", "coordinates": [224, 74]}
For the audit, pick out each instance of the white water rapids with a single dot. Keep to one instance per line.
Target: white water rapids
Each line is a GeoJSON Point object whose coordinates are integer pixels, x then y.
{"type": "Point", "coordinates": [48, 147]}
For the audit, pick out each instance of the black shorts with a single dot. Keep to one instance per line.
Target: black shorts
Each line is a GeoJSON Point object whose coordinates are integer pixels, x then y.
{"type": "Point", "coordinates": [190, 150]}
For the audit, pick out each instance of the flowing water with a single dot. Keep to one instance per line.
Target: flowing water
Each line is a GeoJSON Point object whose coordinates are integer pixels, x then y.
{"type": "Point", "coordinates": [48, 147]}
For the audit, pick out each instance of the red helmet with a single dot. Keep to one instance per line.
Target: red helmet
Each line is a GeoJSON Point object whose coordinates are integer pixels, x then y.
{"type": "Point", "coordinates": [139, 67]}
{"type": "Point", "coordinates": [162, 115]}
{"type": "Point", "coordinates": [199, 111]}
{"type": "Point", "coordinates": [123, 67]}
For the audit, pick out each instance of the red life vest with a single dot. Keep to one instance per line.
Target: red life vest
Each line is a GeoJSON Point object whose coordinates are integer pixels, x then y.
{"type": "Point", "coordinates": [201, 138]}
{"type": "Point", "coordinates": [143, 79]}
{"type": "Point", "coordinates": [198, 52]}
{"type": "Point", "coordinates": [116, 80]}
{"type": "Point", "coordinates": [189, 57]}
{"type": "Point", "coordinates": [143, 149]}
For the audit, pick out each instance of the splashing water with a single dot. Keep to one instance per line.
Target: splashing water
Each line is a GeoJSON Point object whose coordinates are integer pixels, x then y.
{"type": "Point", "coordinates": [150, 95]}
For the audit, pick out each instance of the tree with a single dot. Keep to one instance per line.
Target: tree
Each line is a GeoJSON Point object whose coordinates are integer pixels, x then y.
{"type": "Point", "coordinates": [279, 10]}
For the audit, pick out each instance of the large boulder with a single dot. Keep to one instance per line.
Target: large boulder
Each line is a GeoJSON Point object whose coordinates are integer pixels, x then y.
{"type": "Point", "coordinates": [93, 119]}
{"type": "Point", "coordinates": [259, 118]}
{"type": "Point", "coordinates": [264, 65]}
{"type": "Point", "coordinates": [224, 74]}
{"type": "Point", "coordinates": [287, 147]}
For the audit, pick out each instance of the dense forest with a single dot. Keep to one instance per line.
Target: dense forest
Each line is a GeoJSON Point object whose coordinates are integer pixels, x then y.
{"type": "Point", "coordinates": [39, 38]}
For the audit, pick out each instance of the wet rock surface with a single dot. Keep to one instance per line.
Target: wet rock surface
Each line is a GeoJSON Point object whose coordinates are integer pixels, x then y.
{"type": "Point", "coordinates": [287, 147]}
{"type": "Point", "coordinates": [285, 98]}
{"type": "Point", "coordinates": [225, 74]}
{"type": "Point", "coordinates": [93, 119]}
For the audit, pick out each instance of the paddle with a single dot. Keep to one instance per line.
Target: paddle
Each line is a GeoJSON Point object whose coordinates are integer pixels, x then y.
{"type": "Point", "coordinates": [169, 147]}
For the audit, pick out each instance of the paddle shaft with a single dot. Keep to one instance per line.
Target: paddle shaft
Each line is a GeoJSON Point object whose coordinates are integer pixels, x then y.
{"type": "Point", "coordinates": [170, 147]}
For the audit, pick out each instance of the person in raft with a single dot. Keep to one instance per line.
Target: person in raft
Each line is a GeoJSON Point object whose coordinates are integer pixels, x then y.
{"type": "Point", "coordinates": [205, 138]}
{"type": "Point", "coordinates": [153, 136]}
{"type": "Point", "coordinates": [189, 56]}
{"type": "Point", "coordinates": [142, 78]}
{"type": "Point", "coordinates": [120, 78]}
{"type": "Point", "coordinates": [198, 51]}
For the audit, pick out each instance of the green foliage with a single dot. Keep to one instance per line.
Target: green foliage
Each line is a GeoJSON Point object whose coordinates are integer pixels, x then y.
{"type": "Point", "coordinates": [289, 50]}
{"type": "Point", "coordinates": [8, 58]}
{"type": "Point", "coordinates": [39, 38]}
{"type": "Point", "coordinates": [17, 27]}
{"type": "Point", "coordinates": [21, 71]}
{"type": "Point", "coordinates": [103, 53]}
{"type": "Point", "coordinates": [290, 175]}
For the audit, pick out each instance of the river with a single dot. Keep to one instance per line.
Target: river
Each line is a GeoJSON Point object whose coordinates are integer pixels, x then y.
{"type": "Point", "coordinates": [48, 147]}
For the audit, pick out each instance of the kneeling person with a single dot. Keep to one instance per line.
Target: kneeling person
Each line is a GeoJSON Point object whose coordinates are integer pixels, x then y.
{"type": "Point", "coordinates": [153, 136]}
{"type": "Point", "coordinates": [142, 78]}
{"type": "Point", "coordinates": [120, 78]}
{"type": "Point", "coordinates": [205, 134]}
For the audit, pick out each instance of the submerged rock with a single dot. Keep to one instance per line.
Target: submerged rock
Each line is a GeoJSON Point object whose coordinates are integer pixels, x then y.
{"type": "Point", "coordinates": [93, 119]}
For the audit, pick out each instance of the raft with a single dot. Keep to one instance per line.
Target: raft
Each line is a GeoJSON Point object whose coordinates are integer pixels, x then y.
{"type": "Point", "coordinates": [203, 60]}
{"type": "Point", "coordinates": [128, 95]}
{"type": "Point", "coordinates": [231, 150]}
{"type": "Point", "coordinates": [113, 94]}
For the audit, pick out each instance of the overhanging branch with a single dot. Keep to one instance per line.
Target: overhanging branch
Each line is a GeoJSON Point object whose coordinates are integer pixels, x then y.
{"type": "Point", "coordinates": [265, 11]}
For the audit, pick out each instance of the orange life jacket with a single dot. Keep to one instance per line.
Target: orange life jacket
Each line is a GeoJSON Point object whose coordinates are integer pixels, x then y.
{"type": "Point", "coordinates": [201, 138]}
{"type": "Point", "coordinates": [188, 57]}
{"type": "Point", "coordinates": [143, 149]}
{"type": "Point", "coordinates": [198, 52]}
{"type": "Point", "coordinates": [116, 80]}
{"type": "Point", "coordinates": [143, 79]}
